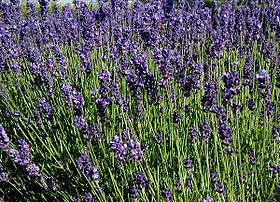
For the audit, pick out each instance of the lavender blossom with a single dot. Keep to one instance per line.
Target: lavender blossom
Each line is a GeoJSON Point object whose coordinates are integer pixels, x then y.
{"type": "Point", "coordinates": [84, 164]}
{"type": "Point", "coordinates": [251, 104]}
{"type": "Point", "coordinates": [188, 164]}
{"type": "Point", "coordinates": [51, 184]}
{"type": "Point", "coordinates": [44, 7]}
{"type": "Point", "coordinates": [225, 133]}
{"type": "Point", "coordinates": [189, 183]}
{"type": "Point", "coordinates": [134, 192]}
{"type": "Point", "coordinates": [264, 87]}
{"type": "Point", "coordinates": [220, 188]}
{"type": "Point", "coordinates": [252, 157]}
{"type": "Point", "coordinates": [32, 170]}
{"type": "Point", "coordinates": [101, 107]}
{"type": "Point", "coordinates": [81, 124]}
{"type": "Point", "coordinates": [178, 186]}
{"type": "Point", "coordinates": [274, 169]}
{"type": "Point", "coordinates": [248, 71]}
{"type": "Point", "coordinates": [46, 107]}
{"type": "Point", "coordinates": [4, 139]}
{"type": "Point", "coordinates": [76, 198]}
{"type": "Point", "coordinates": [140, 181]}
{"type": "Point", "coordinates": [66, 91]}
{"type": "Point", "coordinates": [193, 134]}
{"type": "Point", "coordinates": [176, 118]}
{"type": "Point", "coordinates": [135, 152]}
{"type": "Point", "coordinates": [159, 138]}
{"type": "Point", "coordinates": [207, 199]}
{"type": "Point", "coordinates": [78, 103]}
{"type": "Point", "coordinates": [37, 116]}
{"type": "Point", "coordinates": [210, 98]}
{"type": "Point", "coordinates": [88, 197]}
{"type": "Point", "coordinates": [205, 130]}
{"type": "Point", "coordinates": [4, 178]}
{"type": "Point", "coordinates": [93, 131]}
{"type": "Point", "coordinates": [231, 79]}
{"type": "Point", "coordinates": [167, 195]}
{"type": "Point", "coordinates": [119, 148]}
{"type": "Point", "coordinates": [213, 177]}
{"type": "Point", "coordinates": [221, 113]}
{"type": "Point", "coordinates": [275, 132]}
{"type": "Point", "coordinates": [23, 157]}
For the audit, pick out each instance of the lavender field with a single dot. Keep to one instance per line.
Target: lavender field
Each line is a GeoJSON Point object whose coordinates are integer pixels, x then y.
{"type": "Point", "coordinates": [140, 101]}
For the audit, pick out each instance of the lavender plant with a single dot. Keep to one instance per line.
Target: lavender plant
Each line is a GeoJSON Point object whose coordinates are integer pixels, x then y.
{"type": "Point", "coordinates": [140, 101]}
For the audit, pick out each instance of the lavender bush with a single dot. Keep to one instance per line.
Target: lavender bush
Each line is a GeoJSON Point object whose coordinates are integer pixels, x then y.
{"type": "Point", "coordinates": [156, 101]}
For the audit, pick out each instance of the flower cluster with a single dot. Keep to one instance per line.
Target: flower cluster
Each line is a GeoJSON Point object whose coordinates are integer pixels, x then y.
{"type": "Point", "coordinates": [140, 182]}
{"type": "Point", "coordinates": [84, 164]}
{"type": "Point", "coordinates": [21, 157]}
{"type": "Point", "coordinates": [3, 176]}
{"type": "Point", "coordinates": [157, 93]}
{"type": "Point", "coordinates": [122, 150]}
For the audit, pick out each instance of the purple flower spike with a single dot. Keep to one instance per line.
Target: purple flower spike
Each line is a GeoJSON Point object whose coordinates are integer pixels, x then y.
{"type": "Point", "coordinates": [210, 98]}
{"type": "Point", "coordinates": [119, 148]}
{"type": "Point", "coordinates": [189, 183]}
{"type": "Point", "coordinates": [275, 132]}
{"type": "Point", "coordinates": [93, 131]}
{"type": "Point", "coordinates": [220, 188]}
{"type": "Point", "coordinates": [188, 164]}
{"type": "Point", "coordinates": [178, 186]}
{"type": "Point", "coordinates": [159, 138]}
{"type": "Point", "coordinates": [213, 177]}
{"type": "Point", "coordinates": [78, 103]}
{"type": "Point", "coordinates": [88, 197]}
{"type": "Point", "coordinates": [46, 107]}
{"type": "Point", "coordinates": [248, 72]}
{"type": "Point", "coordinates": [134, 192]}
{"type": "Point", "coordinates": [84, 164]}
{"type": "Point", "coordinates": [225, 133]}
{"type": "Point", "coordinates": [66, 92]}
{"type": "Point", "coordinates": [231, 79]}
{"type": "Point", "coordinates": [140, 180]}
{"type": "Point", "coordinates": [3, 176]}
{"type": "Point", "coordinates": [252, 157]}
{"type": "Point", "coordinates": [193, 134]}
{"type": "Point", "coordinates": [32, 170]}
{"type": "Point", "coordinates": [37, 117]}
{"type": "Point", "coordinates": [207, 199]}
{"type": "Point", "coordinates": [51, 184]}
{"type": "Point", "coordinates": [81, 124]}
{"type": "Point", "coordinates": [135, 152]}
{"type": "Point", "coordinates": [176, 118]}
{"type": "Point", "coordinates": [23, 157]}
{"type": "Point", "coordinates": [4, 139]}
{"type": "Point", "coordinates": [264, 85]}
{"type": "Point", "coordinates": [205, 130]}
{"type": "Point", "coordinates": [167, 195]}
{"type": "Point", "coordinates": [275, 169]}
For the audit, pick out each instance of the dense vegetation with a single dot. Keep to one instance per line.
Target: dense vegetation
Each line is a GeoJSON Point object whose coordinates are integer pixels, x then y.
{"type": "Point", "coordinates": [156, 101]}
